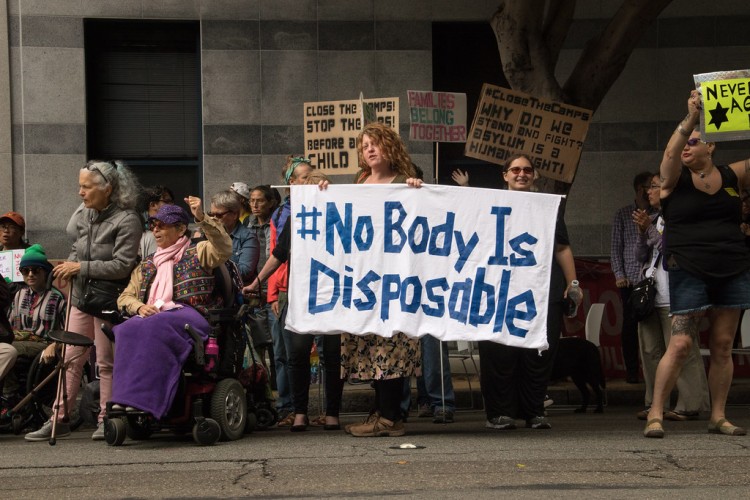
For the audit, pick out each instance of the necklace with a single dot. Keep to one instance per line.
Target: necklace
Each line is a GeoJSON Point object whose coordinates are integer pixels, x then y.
{"type": "Point", "coordinates": [703, 174]}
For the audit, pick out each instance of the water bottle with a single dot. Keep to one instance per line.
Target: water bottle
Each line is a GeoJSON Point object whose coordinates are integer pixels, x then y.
{"type": "Point", "coordinates": [575, 294]}
{"type": "Point", "coordinates": [212, 354]}
{"type": "Point", "coordinates": [314, 365]}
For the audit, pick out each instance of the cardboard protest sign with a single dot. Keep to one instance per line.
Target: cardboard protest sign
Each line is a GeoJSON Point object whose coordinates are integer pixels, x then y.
{"type": "Point", "coordinates": [382, 259]}
{"type": "Point", "coordinates": [509, 122]}
{"type": "Point", "coordinates": [726, 105]}
{"type": "Point", "coordinates": [437, 116]}
{"type": "Point", "coordinates": [10, 261]}
{"type": "Point", "coordinates": [331, 130]}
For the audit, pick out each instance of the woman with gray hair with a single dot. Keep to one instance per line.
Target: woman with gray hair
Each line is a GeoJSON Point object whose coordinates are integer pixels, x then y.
{"type": "Point", "coordinates": [108, 230]}
{"type": "Point", "coordinates": [226, 207]}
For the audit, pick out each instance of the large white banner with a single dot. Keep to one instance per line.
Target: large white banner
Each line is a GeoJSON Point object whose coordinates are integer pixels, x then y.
{"type": "Point", "coordinates": [454, 262]}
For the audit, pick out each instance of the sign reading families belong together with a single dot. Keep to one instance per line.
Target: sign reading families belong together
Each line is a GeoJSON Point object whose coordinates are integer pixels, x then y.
{"type": "Point", "coordinates": [332, 127]}
{"type": "Point", "coordinates": [388, 258]}
{"type": "Point", "coordinates": [509, 122]}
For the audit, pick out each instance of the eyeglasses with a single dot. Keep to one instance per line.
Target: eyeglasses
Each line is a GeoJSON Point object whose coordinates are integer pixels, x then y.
{"type": "Point", "coordinates": [8, 227]}
{"type": "Point", "coordinates": [692, 142]}
{"type": "Point", "coordinates": [31, 269]}
{"type": "Point", "coordinates": [517, 170]}
{"type": "Point", "coordinates": [157, 224]}
{"type": "Point", "coordinates": [218, 215]}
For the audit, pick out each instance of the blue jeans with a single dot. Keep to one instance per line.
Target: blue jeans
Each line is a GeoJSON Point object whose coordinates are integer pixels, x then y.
{"type": "Point", "coordinates": [282, 340]}
{"type": "Point", "coordinates": [428, 385]}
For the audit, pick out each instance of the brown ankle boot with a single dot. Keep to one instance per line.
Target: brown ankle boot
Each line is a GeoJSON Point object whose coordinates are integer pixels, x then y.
{"type": "Point", "coordinates": [382, 427]}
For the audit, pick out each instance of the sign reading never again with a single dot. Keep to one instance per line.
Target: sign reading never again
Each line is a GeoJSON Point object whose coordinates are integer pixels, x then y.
{"type": "Point", "coordinates": [509, 122]}
{"type": "Point", "coordinates": [332, 127]}
{"type": "Point", "coordinates": [726, 105]}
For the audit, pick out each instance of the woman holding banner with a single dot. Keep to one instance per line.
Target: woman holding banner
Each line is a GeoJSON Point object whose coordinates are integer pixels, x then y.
{"type": "Point", "coordinates": [384, 360]}
{"type": "Point", "coordinates": [708, 264]}
{"type": "Point", "coordinates": [514, 379]}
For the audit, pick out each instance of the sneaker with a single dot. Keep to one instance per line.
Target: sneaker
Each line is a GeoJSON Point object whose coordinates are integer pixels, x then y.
{"type": "Point", "coordinates": [98, 434]}
{"type": "Point", "coordinates": [502, 423]}
{"type": "Point", "coordinates": [45, 432]}
{"type": "Point", "coordinates": [442, 417]}
{"type": "Point", "coordinates": [538, 423]}
{"type": "Point", "coordinates": [424, 411]}
{"type": "Point", "coordinates": [371, 418]}
{"type": "Point", "coordinates": [381, 427]}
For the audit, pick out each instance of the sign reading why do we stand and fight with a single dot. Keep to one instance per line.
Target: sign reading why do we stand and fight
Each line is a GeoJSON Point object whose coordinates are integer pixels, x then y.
{"type": "Point", "coordinates": [382, 259]}
{"type": "Point", "coordinates": [726, 105]}
{"type": "Point", "coordinates": [332, 127]}
{"type": "Point", "coordinates": [509, 122]}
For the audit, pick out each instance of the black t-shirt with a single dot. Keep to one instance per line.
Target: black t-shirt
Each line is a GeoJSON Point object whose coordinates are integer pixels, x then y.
{"type": "Point", "coordinates": [702, 231]}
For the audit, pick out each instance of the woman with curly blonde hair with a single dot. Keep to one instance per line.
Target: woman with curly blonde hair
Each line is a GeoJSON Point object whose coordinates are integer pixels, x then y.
{"type": "Point", "coordinates": [392, 152]}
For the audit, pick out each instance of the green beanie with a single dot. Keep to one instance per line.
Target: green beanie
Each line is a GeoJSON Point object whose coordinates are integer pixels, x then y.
{"type": "Point", "coordinates": [35, 256]}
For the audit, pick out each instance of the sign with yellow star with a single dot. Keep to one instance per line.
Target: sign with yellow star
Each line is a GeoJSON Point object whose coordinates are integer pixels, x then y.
{"type": "Point", "coordinates": [726, 105]}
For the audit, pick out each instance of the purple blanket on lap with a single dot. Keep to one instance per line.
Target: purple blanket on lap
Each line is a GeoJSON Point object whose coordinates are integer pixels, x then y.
{"type": "Point", "coordinates": [149, 353]}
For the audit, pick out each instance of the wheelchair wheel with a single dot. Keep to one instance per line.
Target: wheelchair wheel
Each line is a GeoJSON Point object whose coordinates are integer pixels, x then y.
{"type": "Point", "coordinates": [114, 431]}
{"type": "Point", "coordinates": [252, 422]}
{"type": "Point", "coordinates": [138, 428]}
{"type": "Point", "coordinates": [206, 432]}
{"type": "Point", "coordinates": [38, 371]}
{"type": "Point", "coordinates": [229, 408]}
{"type": "Point", "coordinates": [266, 417]}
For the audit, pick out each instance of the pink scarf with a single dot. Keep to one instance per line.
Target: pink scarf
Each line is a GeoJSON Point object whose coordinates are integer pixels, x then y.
{"type": "Point", "coordinates": [161, 290]}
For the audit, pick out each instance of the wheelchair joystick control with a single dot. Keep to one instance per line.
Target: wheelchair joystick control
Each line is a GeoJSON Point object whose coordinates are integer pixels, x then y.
{"type": "Point", "coordinates": [212, 354]}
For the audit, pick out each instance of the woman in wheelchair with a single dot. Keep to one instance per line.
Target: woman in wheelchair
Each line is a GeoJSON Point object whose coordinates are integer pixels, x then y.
{"type": "Point", "coordinates": [169, 289]}
{"type": "Point", "coordinates": [36, 309]}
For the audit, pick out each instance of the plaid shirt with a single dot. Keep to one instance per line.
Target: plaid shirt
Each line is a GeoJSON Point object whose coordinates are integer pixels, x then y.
{"type": "Point", "coordinates": [38, 313]}
{"type": "Point", "coordinates": [623, 250]}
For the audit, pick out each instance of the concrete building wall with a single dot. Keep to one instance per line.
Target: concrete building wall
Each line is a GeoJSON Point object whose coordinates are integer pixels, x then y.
{"type": "Point", "coordinates": [261, 59]}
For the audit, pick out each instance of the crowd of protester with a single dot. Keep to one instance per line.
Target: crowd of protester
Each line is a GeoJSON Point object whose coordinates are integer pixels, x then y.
{"type": "Point", "coordinates": [162, 256]}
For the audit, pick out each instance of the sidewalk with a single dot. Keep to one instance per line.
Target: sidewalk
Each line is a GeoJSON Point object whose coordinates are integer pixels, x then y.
{"type": "Point", "coordinates": [358, 397]}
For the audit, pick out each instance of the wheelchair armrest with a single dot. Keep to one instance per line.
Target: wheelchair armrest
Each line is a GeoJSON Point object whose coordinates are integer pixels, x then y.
{"type": "Point", "coordinates": [200, 353]}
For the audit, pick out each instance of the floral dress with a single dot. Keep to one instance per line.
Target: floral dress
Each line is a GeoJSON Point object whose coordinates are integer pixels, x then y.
{"type": "Point", "coordinates": [371, 357]}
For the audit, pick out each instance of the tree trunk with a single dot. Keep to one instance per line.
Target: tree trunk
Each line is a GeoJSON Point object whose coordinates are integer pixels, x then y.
{"type": "Point", "coordinates": [530, 34]}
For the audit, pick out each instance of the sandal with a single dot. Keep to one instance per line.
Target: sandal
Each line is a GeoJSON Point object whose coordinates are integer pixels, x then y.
{"type": "Point", "coordinates": [718, 427]}
{"type": "Point", "coordinates": [654, 432]}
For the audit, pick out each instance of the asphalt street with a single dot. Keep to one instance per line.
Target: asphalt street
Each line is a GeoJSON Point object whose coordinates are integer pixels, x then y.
{"type": "Point", "coordinates": [582, 456]}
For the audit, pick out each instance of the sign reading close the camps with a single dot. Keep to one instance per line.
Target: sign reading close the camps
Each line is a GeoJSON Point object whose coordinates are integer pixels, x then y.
{"type": "Point", "coordinates": [331, 130]}
{"type": "Point", "coordinates": [382, 259]}
{"type": "Point", "coordinates": [509, 122]}
{"type": "Point", "coordinates": [437, 116]}
{"type": "Point", "coordinates": [726, 105]}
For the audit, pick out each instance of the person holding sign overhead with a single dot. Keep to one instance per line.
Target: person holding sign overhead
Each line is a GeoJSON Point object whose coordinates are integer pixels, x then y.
{"type": "Point", "coordinates": [708, 264]}
{"type": "Point", "coordinates": [514, 379]}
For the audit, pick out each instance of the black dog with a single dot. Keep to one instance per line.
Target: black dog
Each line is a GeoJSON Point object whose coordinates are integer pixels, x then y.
{"type": "Point", "coordinates": [579, 359]}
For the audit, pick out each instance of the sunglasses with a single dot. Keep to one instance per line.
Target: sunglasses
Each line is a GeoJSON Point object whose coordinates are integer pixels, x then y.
{"type": "Point", "coordinates": [692, 142]}
{"type": "Point", "coordinates": [517, 170]}
{"type": "Point", "coordinates": [218, 215]}
{"type": "Point", "coordinates": [31, 269]}
{"type": "Point", "coordinates": [157, 224]}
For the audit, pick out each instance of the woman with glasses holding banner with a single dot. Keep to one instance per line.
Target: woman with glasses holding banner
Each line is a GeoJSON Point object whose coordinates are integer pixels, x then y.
{"type": "Point", "coordinates": [514, 379]}
{"type": "Point", "coordinates": [708, 264]}
{"type": "Point", "coordinates": [108, 232]}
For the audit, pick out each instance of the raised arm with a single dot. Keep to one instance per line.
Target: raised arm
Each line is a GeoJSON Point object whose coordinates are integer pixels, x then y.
{"type": "Point", "coordinates": [671, 163]}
